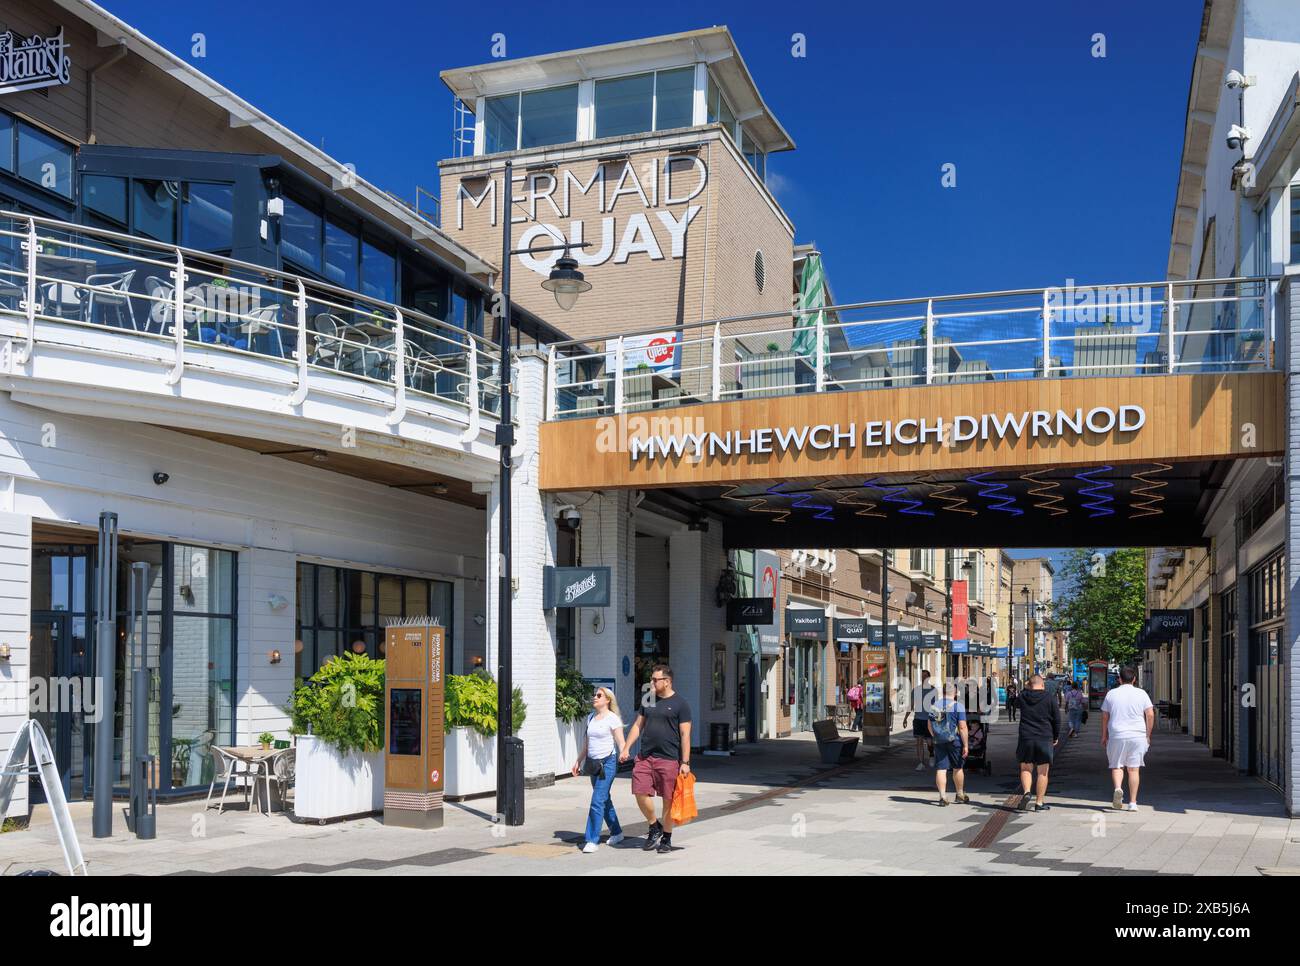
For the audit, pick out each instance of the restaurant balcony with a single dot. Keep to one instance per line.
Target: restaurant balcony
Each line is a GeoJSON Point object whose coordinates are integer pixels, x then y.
{"type": "Point", "coordinates": [113, 325]}
{"type": "Point", "coordinates": [1143, 329]}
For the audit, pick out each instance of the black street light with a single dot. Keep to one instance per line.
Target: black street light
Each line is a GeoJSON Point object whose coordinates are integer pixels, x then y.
{"type": "Point", "coordinates": [567, 283]}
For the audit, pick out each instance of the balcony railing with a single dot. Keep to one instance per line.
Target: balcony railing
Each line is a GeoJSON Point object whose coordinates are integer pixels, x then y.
{"type": "Point", "coordinates": [57, 275]}
{"type": "Point", "coordinates": [1203, 325]}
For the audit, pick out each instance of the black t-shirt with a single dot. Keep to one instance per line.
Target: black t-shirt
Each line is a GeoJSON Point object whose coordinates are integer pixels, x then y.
{"type": "Point", "coordinates": [661, 737]}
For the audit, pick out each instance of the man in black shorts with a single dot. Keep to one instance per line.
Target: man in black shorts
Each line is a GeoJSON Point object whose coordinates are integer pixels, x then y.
{"type": "Point", "coordinates": [1040, 729]}
{"type": "Point", "coordinates": [919, 707]}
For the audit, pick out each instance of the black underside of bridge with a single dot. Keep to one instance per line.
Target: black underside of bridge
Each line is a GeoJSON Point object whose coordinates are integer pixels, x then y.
{"type": "Point", "coordinates": [1129, 505]}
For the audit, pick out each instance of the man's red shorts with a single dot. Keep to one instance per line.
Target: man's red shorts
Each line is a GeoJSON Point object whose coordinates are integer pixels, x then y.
{"type": "Point", "coordinates": [655, 776]}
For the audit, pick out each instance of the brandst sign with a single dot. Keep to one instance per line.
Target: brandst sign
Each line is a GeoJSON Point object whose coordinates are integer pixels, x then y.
{"type": "Point", "coordinates": [27, 63]}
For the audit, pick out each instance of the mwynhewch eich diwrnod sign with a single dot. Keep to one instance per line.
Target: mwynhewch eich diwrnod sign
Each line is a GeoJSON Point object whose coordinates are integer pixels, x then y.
{"type": "Point", "coordinates": [1028, 425]}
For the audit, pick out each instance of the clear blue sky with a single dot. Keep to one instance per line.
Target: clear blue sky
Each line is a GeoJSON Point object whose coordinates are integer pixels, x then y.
{"type": "Point", "coordinates": [1065, 162]}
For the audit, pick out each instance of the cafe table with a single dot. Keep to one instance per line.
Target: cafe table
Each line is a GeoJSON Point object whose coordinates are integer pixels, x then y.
{"type": "Point", "coordinates": [258, 761]}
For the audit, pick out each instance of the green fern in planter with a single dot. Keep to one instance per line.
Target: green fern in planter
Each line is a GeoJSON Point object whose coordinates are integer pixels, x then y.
{"type": "Point", "coordinates": [342, 704]}
{"type": "Point", "coordinates": [471, 702]}
{"type": "Point", "coordinates": [572, 695]}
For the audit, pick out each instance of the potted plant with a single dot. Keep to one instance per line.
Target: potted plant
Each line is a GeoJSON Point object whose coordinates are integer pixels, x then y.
{"type": "Point", "coordinates": [338, 718]}
{"type": "Point", "coordinates": [267, 739]}
{"type": "Point", "coordinates": [470, 762]}
{"type": "Point", "coordinates": [572, 705]}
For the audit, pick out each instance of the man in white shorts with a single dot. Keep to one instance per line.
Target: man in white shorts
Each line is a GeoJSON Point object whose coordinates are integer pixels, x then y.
{"type": "Point", "coordinates": [1127, 718]}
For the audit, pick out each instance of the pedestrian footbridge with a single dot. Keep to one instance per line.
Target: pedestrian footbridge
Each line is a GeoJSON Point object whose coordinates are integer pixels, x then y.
{"type": "Point", "coordinates": [1065, 416]}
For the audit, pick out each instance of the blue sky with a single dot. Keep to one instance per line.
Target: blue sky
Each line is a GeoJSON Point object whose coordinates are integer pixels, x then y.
{"type": "Point", "coordinates": [1065, 162]}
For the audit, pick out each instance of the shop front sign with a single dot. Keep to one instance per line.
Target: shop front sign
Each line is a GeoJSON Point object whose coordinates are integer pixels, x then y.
{"type": "Point", "coordinates": [27, 63]}
{"type": "Point", "coordinates": [575, 587]}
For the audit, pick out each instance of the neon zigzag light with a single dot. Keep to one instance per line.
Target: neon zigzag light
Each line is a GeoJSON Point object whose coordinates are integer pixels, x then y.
{"type": "Point", "coordinates": [898, 494]}
{"type": "Point", "coordinates": [957, 503]}
{"type": "Point", "coordinates": [992, 491]}
{"type": "Point", "coordinates": [1149, 497]}
{"type": "Point", "coordinates": [845, 498]}
{"type": "Point", "coordinates": [1100, 500]}
{"type": "Point", "coordinates": [756, 504]}
{"type": "Point", "coordinates": [1051, 502]}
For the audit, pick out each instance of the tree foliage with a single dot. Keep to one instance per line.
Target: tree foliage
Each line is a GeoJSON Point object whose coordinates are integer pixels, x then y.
{"type": "Point", "coordinates": [1105, 604]}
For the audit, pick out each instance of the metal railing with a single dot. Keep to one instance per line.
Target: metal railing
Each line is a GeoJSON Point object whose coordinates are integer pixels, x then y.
{"type": "Point", "coordinates": [196, 304]}
{"type": "Point", "coordinates": [1200, 325]}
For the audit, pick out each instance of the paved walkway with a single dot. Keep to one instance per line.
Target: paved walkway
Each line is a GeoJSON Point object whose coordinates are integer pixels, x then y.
{"type": "Point", "coordinates": [770, 809]}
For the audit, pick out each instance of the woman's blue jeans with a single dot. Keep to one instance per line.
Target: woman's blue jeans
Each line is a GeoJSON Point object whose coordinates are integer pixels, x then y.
{"type": "Point", "coordinates": [602, 809]}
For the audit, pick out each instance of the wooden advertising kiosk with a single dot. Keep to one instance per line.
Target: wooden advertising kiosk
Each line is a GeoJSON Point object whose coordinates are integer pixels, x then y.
{"type": "Point", "coordinates": [413, 739]}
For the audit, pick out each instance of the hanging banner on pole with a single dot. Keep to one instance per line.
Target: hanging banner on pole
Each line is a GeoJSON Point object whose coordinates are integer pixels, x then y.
{"type": "Point", "coordinates": [960, 611]}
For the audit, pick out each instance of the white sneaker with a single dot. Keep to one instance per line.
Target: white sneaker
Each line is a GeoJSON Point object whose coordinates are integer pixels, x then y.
{"type": "Point", "coordinates": [1117, 798]}
{"type": "Point", "coordinates": [1131, 807]}
{"type": "Point", "coordinates": [590, 847]}
{"type": "Point", "coordinates": [614, 839]}
{"type": "Point", "coordinates": [920, 766]}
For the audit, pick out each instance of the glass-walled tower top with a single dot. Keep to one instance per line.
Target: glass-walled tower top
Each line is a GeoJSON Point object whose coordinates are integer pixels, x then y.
{"type": "Point", "coordinates": [640, 87]}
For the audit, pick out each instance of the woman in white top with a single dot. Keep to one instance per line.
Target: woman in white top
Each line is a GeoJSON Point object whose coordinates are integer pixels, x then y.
{"type": "Point", "coordinates": [604, 743]}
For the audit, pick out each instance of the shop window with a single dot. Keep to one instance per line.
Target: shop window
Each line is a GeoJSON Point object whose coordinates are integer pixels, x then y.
{"type": "Point", "coordinates": [300, 236]}
{"type": "Point", "coordinates": [7, 127]}
{"type": "Point", "coordinates": [378, 273]}
{"type": "Point", "coordinates": [548, 116]}
{"type": "Point", "coordinates": [44, 160]}
{"type": "Point", "coordinates": [153, 208]}
{"type": "Point", "coordinates": [674, 98]}
{"type": "Point", "coordinates": [207, 217]}
{"type": "Point", "coordinates": [501, 123]}
{"type": "Point", "coordinates": [105, 195]}
{"type": "Point", "coordinates": [719, 111]}
{"type": "Point", "coordinates": [625, 105]}
{"type": "Point", "coordinates": [341, 256]}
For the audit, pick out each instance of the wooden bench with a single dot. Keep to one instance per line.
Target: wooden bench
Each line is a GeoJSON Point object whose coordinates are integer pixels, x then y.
{"type": "Point", "coordinates": [832, 747]}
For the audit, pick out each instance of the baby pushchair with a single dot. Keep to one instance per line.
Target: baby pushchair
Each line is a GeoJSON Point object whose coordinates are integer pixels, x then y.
{"type": "Point", "coordinates": [977, 757]}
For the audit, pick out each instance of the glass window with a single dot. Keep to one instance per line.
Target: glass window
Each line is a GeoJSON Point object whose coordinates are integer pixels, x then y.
{"type": "Point", "coordinates": [501, 123]}
{"type": "Point", "coordinates": [203, 580]}
{"type": "Point", "coordinates": [549, 116]}
{"type": "Point", "coordinates": [378, 273]}
{"type": "Point", "coordinates": [45, 160]}
{"type": "Point", "coordinates": [203, 695]}
{"type": "Point", "coordinates": [300, 236]}
{"type": "Point", "coordinates": [390, 598]}
{"type": "Point", "coordinates": [1295, 224]}
{"type": "Point", "coordinates": [104, 195]}
{"type": "Point", "coordinates": [6, 142]}
{"type": "Point", "coordinates": [749, 148]}
{"type": "Point", "coordinates": [207, 217]}
{"type": "Point", "coordinates": [625, 105]}
{"type": "Point", "coordinates": [726, 116]}
{"type": "Point", "coordinates": [340, 256]}
{"type": "Point", "coordinates": [153, 208]}
{"type": "Point", "coordinates": [674, 98]}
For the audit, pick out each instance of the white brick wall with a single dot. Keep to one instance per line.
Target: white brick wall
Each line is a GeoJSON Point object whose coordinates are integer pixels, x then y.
{"type": "Point", "coordinates": [606, 540]}
{"type": "Point", "coordinates": [15, 623]}
{"type": "Point", "coordinates": [696, 560]}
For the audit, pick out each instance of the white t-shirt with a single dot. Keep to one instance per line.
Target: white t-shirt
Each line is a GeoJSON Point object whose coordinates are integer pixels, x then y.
{"type": "Point", "coordinates": [1127, 707]}
{"type": "Point", "coordinates": [600, 735]}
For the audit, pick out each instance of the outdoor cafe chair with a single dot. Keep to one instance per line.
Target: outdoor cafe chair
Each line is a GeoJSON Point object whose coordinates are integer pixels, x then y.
{"type": "Point", "coordinates": [111, 292]}
{"type": "Point", "coordinates": [227, 768]}
{"type": "Point", "coordinates": [281, 770]}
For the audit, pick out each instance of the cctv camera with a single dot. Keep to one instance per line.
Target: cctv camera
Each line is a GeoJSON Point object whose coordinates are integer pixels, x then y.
{"type": "Point", "coordinates": [1235, 79]}
{"type": "Point", "coordinates": [161, 478]}
{"type": "Point", "coordinates": [1237, 135]}
{"type": "Point", "coordinates": [569, 518]}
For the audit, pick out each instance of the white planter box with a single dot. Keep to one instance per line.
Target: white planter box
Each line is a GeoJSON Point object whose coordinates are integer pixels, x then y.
{"type": "Point", "coordinates": [470, 762]}
{"type": "Point", "coordinates": [330, 785]}
{"type": "Point", "coordinates": [569, 733]}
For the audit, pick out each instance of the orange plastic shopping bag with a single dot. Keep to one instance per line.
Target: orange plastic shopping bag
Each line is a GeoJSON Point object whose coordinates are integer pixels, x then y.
{"type": "Point", "coordinates": [683, 808]}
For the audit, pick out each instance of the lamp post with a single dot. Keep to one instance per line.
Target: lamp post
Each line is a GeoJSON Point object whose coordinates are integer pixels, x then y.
{"type": "Point", "coordinates": [566, 283]}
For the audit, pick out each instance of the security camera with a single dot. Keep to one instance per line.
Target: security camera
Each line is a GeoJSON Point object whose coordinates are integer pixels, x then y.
{"type": "Point", "coordinates": [568, 517]}
{"type": "Point", "coordinates": [161, 478]}
{"type": "Point", "coordinates": [1237, 135]}
{"type": "Point", "coordinates": [1236, 79]}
